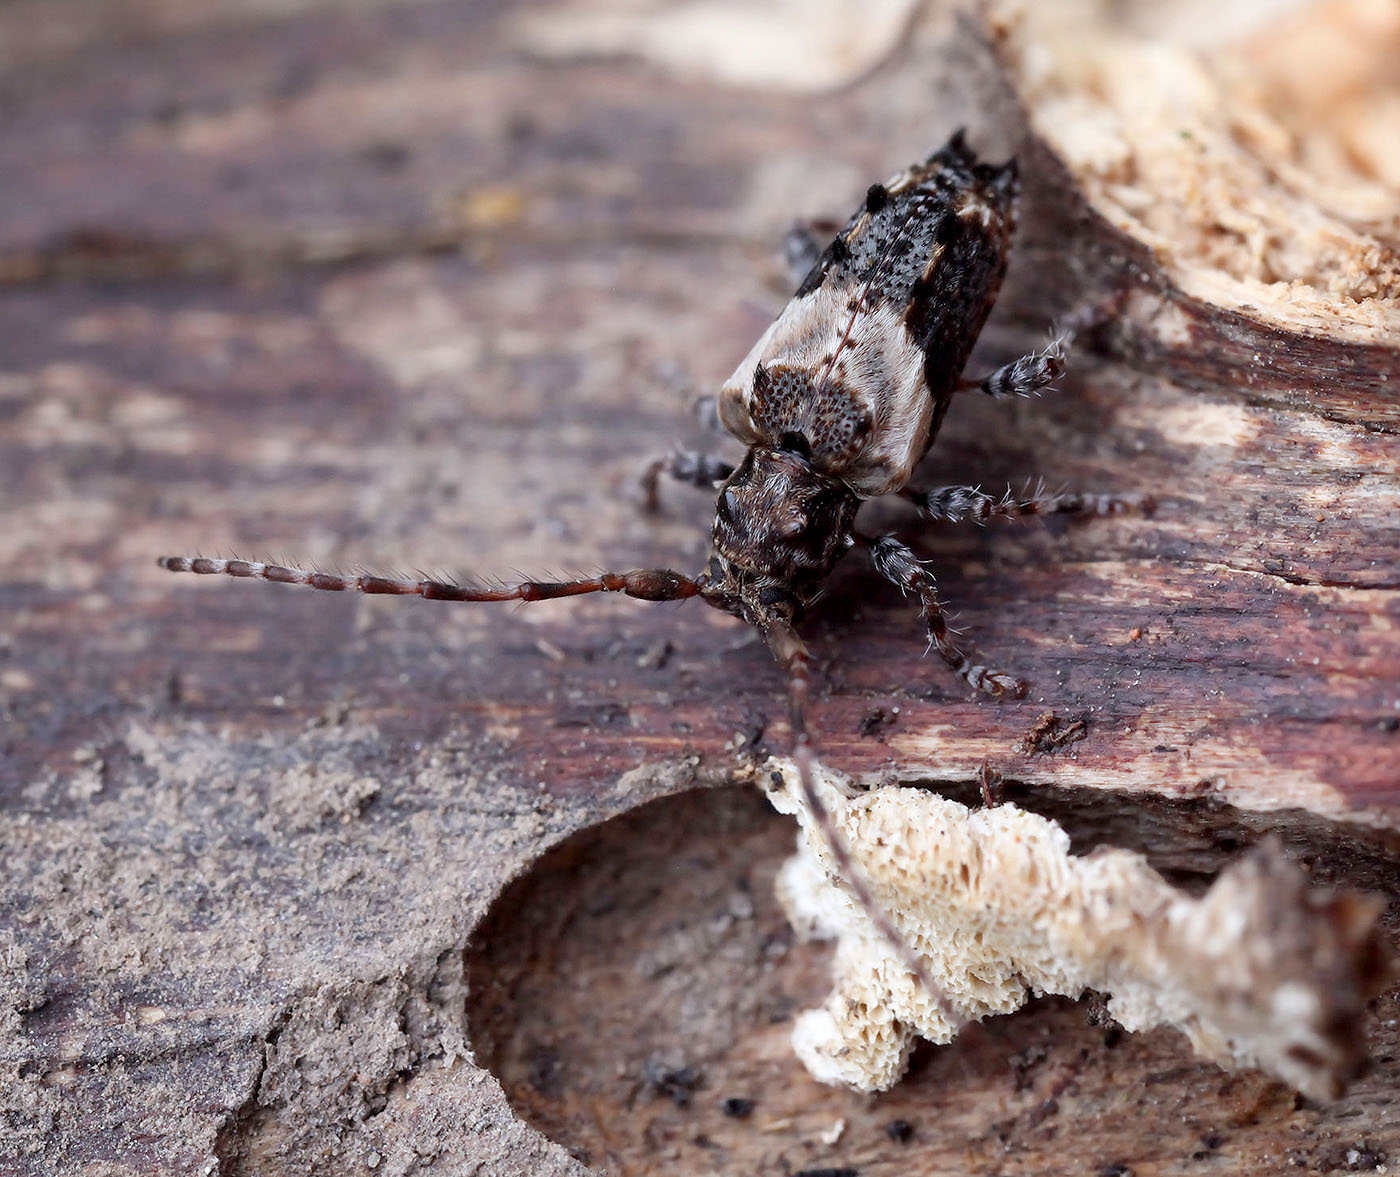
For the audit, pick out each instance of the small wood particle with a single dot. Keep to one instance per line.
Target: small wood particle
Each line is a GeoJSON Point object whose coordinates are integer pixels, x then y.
{"type": "Point", "coordinates": [989, 784]}
{"type": "Point", "coordinates": [550, 650]}
{"type": "Point", "coordinates": [675, 1080]}
{"type": "Point", "coordinates": [656, 656]}
{"type": "Point", "coordinates": [900, 1131]}
{"type": "Point", "coordinates": [1050, 733]}
{"type": "Point", "coordinates": [876, 719]}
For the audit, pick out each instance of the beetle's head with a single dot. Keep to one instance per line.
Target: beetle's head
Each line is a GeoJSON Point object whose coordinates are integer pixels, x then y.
{"type": "Point", "coordinates": [780, 527]}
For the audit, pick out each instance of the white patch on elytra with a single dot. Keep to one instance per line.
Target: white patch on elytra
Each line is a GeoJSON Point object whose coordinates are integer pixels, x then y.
{"type": "Point", "coordinates": [880, 368]}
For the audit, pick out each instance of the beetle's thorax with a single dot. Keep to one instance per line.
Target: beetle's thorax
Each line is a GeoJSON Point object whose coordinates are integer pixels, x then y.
{"type": "Point", "coordinates": [780, 527]}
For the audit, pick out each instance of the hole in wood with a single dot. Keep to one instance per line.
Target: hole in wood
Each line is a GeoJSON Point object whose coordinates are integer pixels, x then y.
{"type": "Point", "coordinates": [635, 990]}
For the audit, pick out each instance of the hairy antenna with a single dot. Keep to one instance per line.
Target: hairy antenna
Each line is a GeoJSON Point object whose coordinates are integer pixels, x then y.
{"type": "Point", "coordinates": [645, 584]}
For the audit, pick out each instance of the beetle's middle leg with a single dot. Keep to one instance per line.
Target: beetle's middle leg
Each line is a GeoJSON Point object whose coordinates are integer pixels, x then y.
{"type": "Point", "coordinates": [897, 563]}
{"type": "Point", "coordinates": [971, 504]}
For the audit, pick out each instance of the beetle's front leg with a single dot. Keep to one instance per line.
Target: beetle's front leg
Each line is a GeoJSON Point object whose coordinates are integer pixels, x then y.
{"type": "Point", "coordinates": [690, 467]}
{"type": "Point", "coordinates": [897, 563]}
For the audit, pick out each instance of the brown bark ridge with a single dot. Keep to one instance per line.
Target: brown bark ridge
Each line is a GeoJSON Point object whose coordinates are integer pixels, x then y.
{"type": "Point", "coordinates": [403, 284]}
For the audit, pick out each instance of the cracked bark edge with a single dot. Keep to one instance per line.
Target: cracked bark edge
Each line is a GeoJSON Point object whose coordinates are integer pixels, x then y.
{"type": "Point", "coordinates": [1157, 325]}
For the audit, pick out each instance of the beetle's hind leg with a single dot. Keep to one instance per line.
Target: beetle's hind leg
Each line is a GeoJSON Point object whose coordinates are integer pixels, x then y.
{"type": "Point", "coordinates": [804, 243]}
{"type": "Point", "coordinates": [897, 563]}
{"type": "Point", "coordinates": [1037, 370]}
{"type": "Point", "coordinates": [1030, 373]}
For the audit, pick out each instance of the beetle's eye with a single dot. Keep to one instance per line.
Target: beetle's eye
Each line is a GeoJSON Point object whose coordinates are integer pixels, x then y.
{"type": "Point", "coordinates": [728, 505]}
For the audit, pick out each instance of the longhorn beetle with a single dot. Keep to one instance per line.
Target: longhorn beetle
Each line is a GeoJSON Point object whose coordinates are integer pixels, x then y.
{"type": "Point", "coordinates": [838, 402]}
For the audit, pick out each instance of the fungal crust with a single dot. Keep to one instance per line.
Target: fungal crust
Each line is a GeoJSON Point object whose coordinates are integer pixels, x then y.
{"type": "Point", "coordinates": [1263, 970]}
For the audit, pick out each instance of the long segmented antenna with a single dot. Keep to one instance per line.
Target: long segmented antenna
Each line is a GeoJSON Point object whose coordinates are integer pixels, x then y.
{"type": "Point", "coordinates": [645, 584]}
{"type": "Point", "coordinates": [792, 655]}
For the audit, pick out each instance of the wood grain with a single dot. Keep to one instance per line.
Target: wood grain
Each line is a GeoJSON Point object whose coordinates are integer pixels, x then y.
{"type": "Point", "coordinates": [375, 287]}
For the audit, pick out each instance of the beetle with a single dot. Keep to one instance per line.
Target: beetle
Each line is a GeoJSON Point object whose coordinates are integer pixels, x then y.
{"type": "Point", "coordinates": [838, 402]}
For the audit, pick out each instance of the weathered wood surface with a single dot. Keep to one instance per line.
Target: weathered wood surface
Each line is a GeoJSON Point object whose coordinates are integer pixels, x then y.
{"type": "Point", "coordinates": [379, 287]}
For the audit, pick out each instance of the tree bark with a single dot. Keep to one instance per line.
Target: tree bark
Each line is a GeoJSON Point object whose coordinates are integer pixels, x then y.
{"type": "Point", "coordinates": [395, 287]}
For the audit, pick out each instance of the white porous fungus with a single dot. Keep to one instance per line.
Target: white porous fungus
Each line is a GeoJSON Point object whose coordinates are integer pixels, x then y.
{"type": "Point", "coordinates": [1260, 971]}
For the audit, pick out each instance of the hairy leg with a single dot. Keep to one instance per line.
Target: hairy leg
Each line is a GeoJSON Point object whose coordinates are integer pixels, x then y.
{"type": "Point", "coordinates": [804, 243]}
{"type": "Point", "coordinates": [961, 504]}
{"type": "Point", "coordinates": [1029, 374]}
{"type": "Point", "coordinates": [706, 410]}
{"type": "Point", "coordinates": [898, 564]}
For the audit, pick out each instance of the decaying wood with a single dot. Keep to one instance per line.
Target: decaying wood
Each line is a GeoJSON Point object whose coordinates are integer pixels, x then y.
{"type": "Point", "coordinates": [391, 288]}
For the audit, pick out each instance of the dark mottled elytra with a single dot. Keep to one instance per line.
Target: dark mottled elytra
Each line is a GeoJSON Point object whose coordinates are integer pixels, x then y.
{"type": "Point", "coordinates": [838, 402]}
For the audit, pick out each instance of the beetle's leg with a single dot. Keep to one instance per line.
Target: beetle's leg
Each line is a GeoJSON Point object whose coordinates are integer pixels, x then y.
{"type": "Point", "coordinates": [646, 584]}
{"type": "Point", "coordinates": [695, 469]}
{"type": "Point", "coordinates": [804, 244]}
{"type": "Point", "coordinates": [706, 410]}
{"type": "Point", "coordinates": [962, 504]}
{"type": "Point", "coordinates": [1029, 374]}
{"type": "Point", "coordinates": [898, 564]}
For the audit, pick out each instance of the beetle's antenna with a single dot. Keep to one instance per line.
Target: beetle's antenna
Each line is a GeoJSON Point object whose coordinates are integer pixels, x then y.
{"type": "Point", "coordinates": [793, 656]}
{"type": "Point", "coordinates": [646, 584]}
